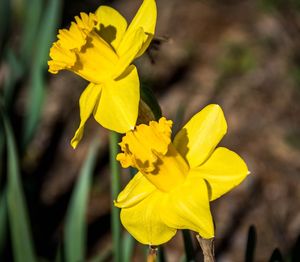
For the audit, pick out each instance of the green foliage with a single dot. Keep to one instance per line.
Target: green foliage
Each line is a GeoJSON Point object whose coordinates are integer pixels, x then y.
{"type": "Point", "coordinates": [188, 246]}
{"type": "Point", "coordinates": [251, 244]}
{"type": "Point", "coordinates": [46, 33]}
{"type": "Point", "coordinates": [115, 189]}
{"type": "Point", "coordinates": [16, 207]}
{"type": "Point", "coordinates": [30, 29]}
{"type": "Point", "coordinates": [10, 83]}
{"type": "Point", "coordinates": [161, 255]}
{"type": "Point", "coordinates": [75, 229]}
{"type": "Point", "coordinates": [128, 246]}
{"type": "Point", "coordinates": [276, 256]}
{"type": "Point", "coordinates": [4, 21]}
{"type": "Point", "coordinates": [148, 97]}
{"type": "Point", "coordinates": [3, 220]}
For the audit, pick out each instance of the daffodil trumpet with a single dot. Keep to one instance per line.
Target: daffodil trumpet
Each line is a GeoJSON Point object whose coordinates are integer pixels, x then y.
{"type": "Point", "coordinates": [100, 47]}
{"type": "Point", "coordinates": [176, 180]}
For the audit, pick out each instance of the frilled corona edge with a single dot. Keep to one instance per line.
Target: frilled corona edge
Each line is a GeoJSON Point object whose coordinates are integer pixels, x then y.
{"type": "Point", "coordinates": [100, 47]}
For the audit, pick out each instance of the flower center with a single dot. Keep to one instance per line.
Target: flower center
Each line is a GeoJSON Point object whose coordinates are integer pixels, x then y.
{"type": "Point", "coordinates": [82, 50]}
{"type": "Point", "coordinates": [149, 149]}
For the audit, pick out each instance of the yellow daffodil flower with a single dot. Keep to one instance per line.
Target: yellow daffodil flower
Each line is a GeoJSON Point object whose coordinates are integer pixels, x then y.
{"type": "Point", "coordinates": [176, 180]}
{"type": "Point", "coordinates": [100, 47]}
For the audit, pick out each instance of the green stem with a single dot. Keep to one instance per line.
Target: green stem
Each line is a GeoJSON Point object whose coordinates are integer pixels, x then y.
{"type": "Point", "coordinates": [188, 246]}
{"type": "Point", "coordinates": [115, 189]}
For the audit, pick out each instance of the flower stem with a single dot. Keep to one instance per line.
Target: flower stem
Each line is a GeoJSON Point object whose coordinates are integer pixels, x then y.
{"type": "Point", "coordinates": [115, 189]}
{"type": "Point", "coordinates": [152, 255]}
{"type": "Point", "coordinates": [188, 245]}
{"type": "Point", "coordinates": [207, 246]}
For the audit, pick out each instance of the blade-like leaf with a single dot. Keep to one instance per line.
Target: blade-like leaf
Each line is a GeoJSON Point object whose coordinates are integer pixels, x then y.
{"type": "Point", "coordinates": [161, 254]}
{"type": "Point", "coordinates": [3, 221]}
{"type": "Point", "coordinates": [4, 21]}
{"type": "Point", "coordinates": [16, 70]}
{"type": "Point", "coordinates": [17, 213]}
{"type": "Point", "coordinates": [295, 252]}
{"type": "Point", "coordinates": [115, 190]}
{"type": "Point", "coordinates": [148, 97]}
{"type": "Point", "coordinates": [31, 24]}
{"type": "Point", "coordinates": [104, 255]}
{"type": "Point", "coordinates": [75, 230]}
{"type": "Point", "coordinates": [188, 246]}
{"type": "Point", "coordinates": [276, 256]}
{"type": "Point", "coordinates": [128, 247]}
{"type": "Point", "coordinates": [251, 244]}
{"type": "Point", "coordinates": [46, 34]}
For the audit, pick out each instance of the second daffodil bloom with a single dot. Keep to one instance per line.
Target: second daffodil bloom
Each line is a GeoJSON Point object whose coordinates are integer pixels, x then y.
{"type": "Point", "coordinates": [100, 47]}
{"type": "Point", "coordinates": [176, 180]}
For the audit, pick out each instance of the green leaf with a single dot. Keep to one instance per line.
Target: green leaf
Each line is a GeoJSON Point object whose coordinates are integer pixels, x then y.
{"type": "Point", "coordinates": [22, 244]}
{"type": "Point", "coordinates": [36, 93]}
{"type": "Point", "coordinates": [276, 256]}
{"type": "Point", "coordinates": [128, 247]}
{"type": "Point", "coordinates": [115, 190]}
{"type": "Point", "coordinates": [31, 24]}
{"type": "Point", "coordinates": [251, 244]}
{"type": "Point", "coordinates": [59, 254]}
{"type": "Point", "coordinates": [16, 71]}
{"type": "Point", "coordinates": [104, 255]}
{"type": "Point", "coordinates": [4, 21]}
{"type": "Point", "coordinates": [75, 230]}
{"type": "Point", "coordinates": [295, 252]}
{"type": "Point", "coordinates": [148, 97]}
{"type": "Point", "coordinates": [161, 254]}
{"type": "Point", "coordinates": [3, 221]}
{"type": "Point", "coordinates": [188, 246]}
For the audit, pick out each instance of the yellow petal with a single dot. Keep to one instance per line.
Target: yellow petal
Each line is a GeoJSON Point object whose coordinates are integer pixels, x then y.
{"type": "Point", "coordinates": [148, 148]}
{"type": "Point", "coordinates": [187, 207]}
{"type": "Point", "coordinates": [223, 171]}
{"type": "Point", "coordinates": [111, 25]}
{"type": "Point", "coordinates": [136, 190]}
{"type": "Point", "coordinates": [143, 220]}
{"type": "Point", "coordinates": [145, 18]}
{"type": "Point", "coordinates": [87, 102]}
{"type": "Point", "coordinates": [199, 137]}
{"type": "Point", "coordinates": [72, 38]}
{"type": "Point", "coordinates": [118, 106]}
{"type": "Point", "coordinates": [96, 61]}
{"type": "Point", "coordinates": [86, 21]}
{"type": "Point", "coordinates": [61, 58]}
{"type": "Point", "coordinates": [140, 144]}
{"type": "Point", "coordinates": [128, 49]}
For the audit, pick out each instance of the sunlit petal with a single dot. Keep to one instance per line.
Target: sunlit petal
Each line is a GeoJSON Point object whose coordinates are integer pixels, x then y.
{"type": "Point", "coordinates": [223, 171]}
{"type": "Point", "coordinates": [187, 207]}
{"type": "Point", "coordinates": [111, 25]}
{"type": "Point", "coordinates": [128, 49]}
{"type": "Point", "coordinates": [199, 137]}
{"type": "Point", "coordinates": [118, 106]}
{"type": "Point", "coordinates": [143, 220]}
{"type": "Point", "coordinates": [136, 190]}
{"type": "Point", "coordinates": [145, 18]}
{"type": "Point", "coordinates": [87, 102]}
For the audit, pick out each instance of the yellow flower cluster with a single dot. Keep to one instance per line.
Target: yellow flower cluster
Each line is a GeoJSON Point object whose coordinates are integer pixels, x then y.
{"type": "Point", "coordinates": [176, 179]}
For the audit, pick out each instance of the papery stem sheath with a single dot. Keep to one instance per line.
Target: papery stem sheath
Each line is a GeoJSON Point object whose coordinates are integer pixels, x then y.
{"type": "Point", "coordinates": [208, 249]}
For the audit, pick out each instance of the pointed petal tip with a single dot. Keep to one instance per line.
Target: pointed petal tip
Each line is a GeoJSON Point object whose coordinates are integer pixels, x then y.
{"type": "Point", "coordinates": [74, 143]}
